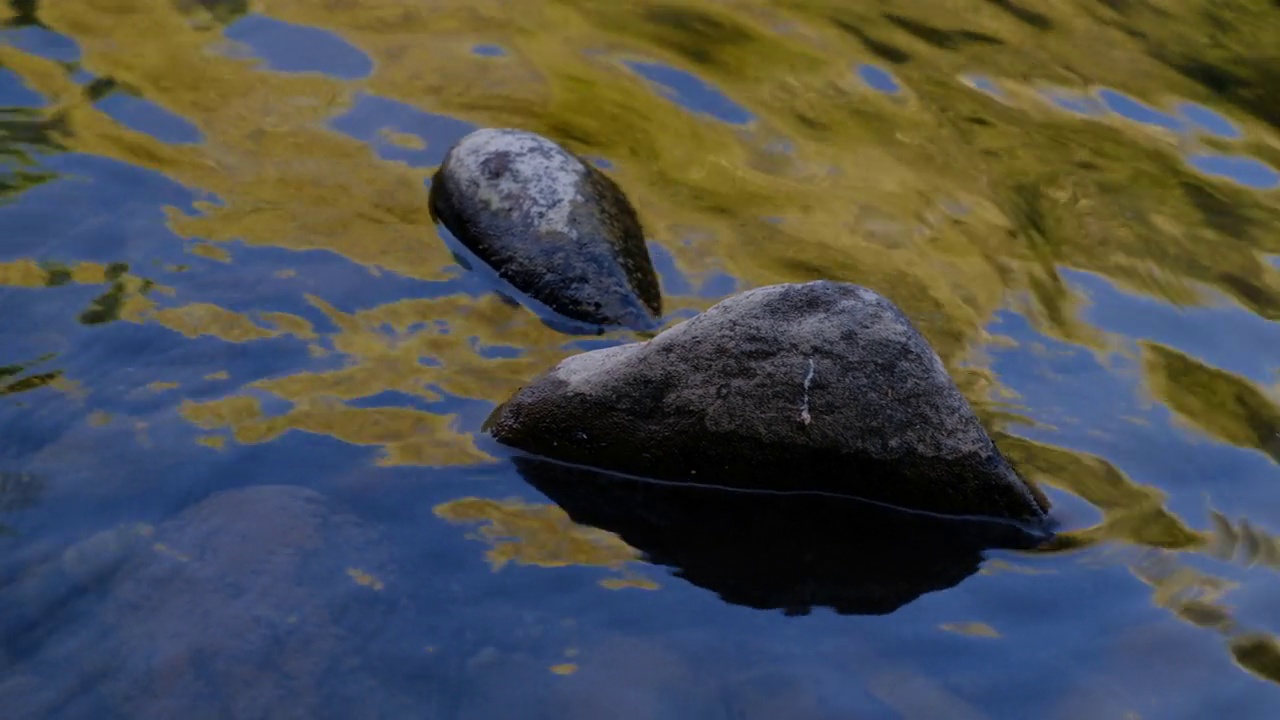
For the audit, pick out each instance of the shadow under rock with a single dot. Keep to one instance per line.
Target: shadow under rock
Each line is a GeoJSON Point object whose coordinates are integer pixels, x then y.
{"type": "Point", "coordinates": [774, 551]}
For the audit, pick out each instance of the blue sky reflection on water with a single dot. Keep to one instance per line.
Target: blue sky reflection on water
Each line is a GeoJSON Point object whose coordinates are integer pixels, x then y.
{"type": "Point", "coordinates": [1075, 102]}
{"type": "Point", "coordinates": [1247, 171]}
{"type": "Point", "coordinates": [294, 48]}
{"type": "Point", "coordinates": [1210, 121]}
{"type": "Point", "coordinates": [143, 116]}
{"type": "Point", "coordinates": [370, 115]}
{"type": "Point", "coordinates": [42, 42]}
{"type": "Point", "coordinates": [242, 362]}
{"type": "Point", "coordinates": [691, 92]}
{"type": "Point", "coordinates": [983, 84]}
{"type": "Point", "coordinates": [879, 79]}
{"type": "Point", "coordinates": [1129, 108]}
{"type": "Point", "coordinates": [14, 94]}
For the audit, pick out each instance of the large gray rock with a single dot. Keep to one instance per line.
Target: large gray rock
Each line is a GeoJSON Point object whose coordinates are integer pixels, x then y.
{"type": "Point", "coordinates": [823, 386]}
{"type": "Point", "coordinates": [549, 223]}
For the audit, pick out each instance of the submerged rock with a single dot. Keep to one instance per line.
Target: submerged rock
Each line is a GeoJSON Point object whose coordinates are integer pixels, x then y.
{"type": "Point", "coordinates": [550, 224]}
{"type": "Point", "coordinates": [822, 386]}
{"type": "Point", "coordinates": [254, 603]}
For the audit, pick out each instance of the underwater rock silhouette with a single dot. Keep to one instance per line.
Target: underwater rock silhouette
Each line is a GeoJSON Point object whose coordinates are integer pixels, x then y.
{"type": "Point", "coordinates": [550, 224]}
{"type": "Point", "coordinates": [254, 602]}
{"type": "Point", "coordinates": [778, 551]}
{"type": "Point", "coordinates": [819, 386]}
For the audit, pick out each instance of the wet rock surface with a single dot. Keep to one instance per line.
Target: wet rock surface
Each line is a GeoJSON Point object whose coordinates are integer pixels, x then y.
{"type": "Point", "coordinates": [821, 386]}
{"type": "Point", "coordinates": [550, 224]}
{"type": "Point", "coordinates": [778, 552]}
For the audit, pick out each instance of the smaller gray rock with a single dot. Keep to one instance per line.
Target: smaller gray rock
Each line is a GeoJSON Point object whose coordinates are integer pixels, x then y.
{"type": "Point", "coordinates": [550, 224]}
{"type": "Point", "coordinates": [822, 386]}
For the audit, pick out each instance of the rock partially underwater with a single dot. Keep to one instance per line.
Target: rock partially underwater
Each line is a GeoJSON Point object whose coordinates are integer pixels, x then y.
{"type": "Point", "coordinates": [550, 224]}
{"type": "Point", "coordinates": [822, 386]}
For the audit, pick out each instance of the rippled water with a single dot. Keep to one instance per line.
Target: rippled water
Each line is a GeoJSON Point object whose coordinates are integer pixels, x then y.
{"type": "Point", "coordinates": [218, 273]}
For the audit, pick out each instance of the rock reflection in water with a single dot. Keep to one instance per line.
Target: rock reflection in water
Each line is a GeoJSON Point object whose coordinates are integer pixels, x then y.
{"type": "Point", "coordinates": [773, 551]}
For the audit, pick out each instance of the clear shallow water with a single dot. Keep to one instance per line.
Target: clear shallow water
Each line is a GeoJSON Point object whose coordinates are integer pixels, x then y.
{"type": "Point", "coordinates": [218, 273]}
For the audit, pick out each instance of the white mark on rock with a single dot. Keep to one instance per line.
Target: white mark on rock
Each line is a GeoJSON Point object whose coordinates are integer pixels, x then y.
{"type": "Point", "coordinates": [804, 405]}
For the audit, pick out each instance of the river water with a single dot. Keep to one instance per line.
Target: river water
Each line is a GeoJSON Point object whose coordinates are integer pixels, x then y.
{"type": "Point", "coordinates": [242, 379]}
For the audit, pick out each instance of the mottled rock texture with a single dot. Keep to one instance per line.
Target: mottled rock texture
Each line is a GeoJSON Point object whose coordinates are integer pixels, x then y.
{"type": "Point", "coordinates": [821, 386]}
{"type": "Point", "coordinates": [550, 224]}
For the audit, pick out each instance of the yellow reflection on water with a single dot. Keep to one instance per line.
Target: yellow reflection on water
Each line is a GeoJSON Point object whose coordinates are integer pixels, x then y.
{"type": "Point", "coordinates": [22, 273]}
{"type": "Point", "coordinates": [205, 319]}
{"type": "Point", "coordinates": [944, 213]}
{"type": "Point", "coordinates": [387, 349]}
{"type": "Point", "coordinates": [1131, 511]}
{"type": "Point", "coordinates": [972, 629]}
{"type": "Point", "coordinates": [1197, 598]}
{"type": "Point", "coordinates": [1258, 653]}
{"type": "Point", "coordinates": [30, 274]}
{"type": "Point", "coordinates": [212, 252]}
{"type": "Point", "coordinates": [406, 436]}
{"type": "Point", "coordinates": [543, 535]}
{"type": "Point", "coordinates": [1220, 404]}
{"type": "Point", "coordinates": [1129, 209]}
{"type": "Point", "coordinates": [365, 579]}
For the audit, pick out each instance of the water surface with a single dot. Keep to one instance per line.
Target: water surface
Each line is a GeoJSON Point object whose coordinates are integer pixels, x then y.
{"type": "Point", "coordinates": [218, 274]}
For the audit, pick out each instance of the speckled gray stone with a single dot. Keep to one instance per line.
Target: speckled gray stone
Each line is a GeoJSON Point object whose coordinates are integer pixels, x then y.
{"type": "Point", "coordinates": [550, 224]}
{"type": "Point", "coordinates": [820, 386]}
